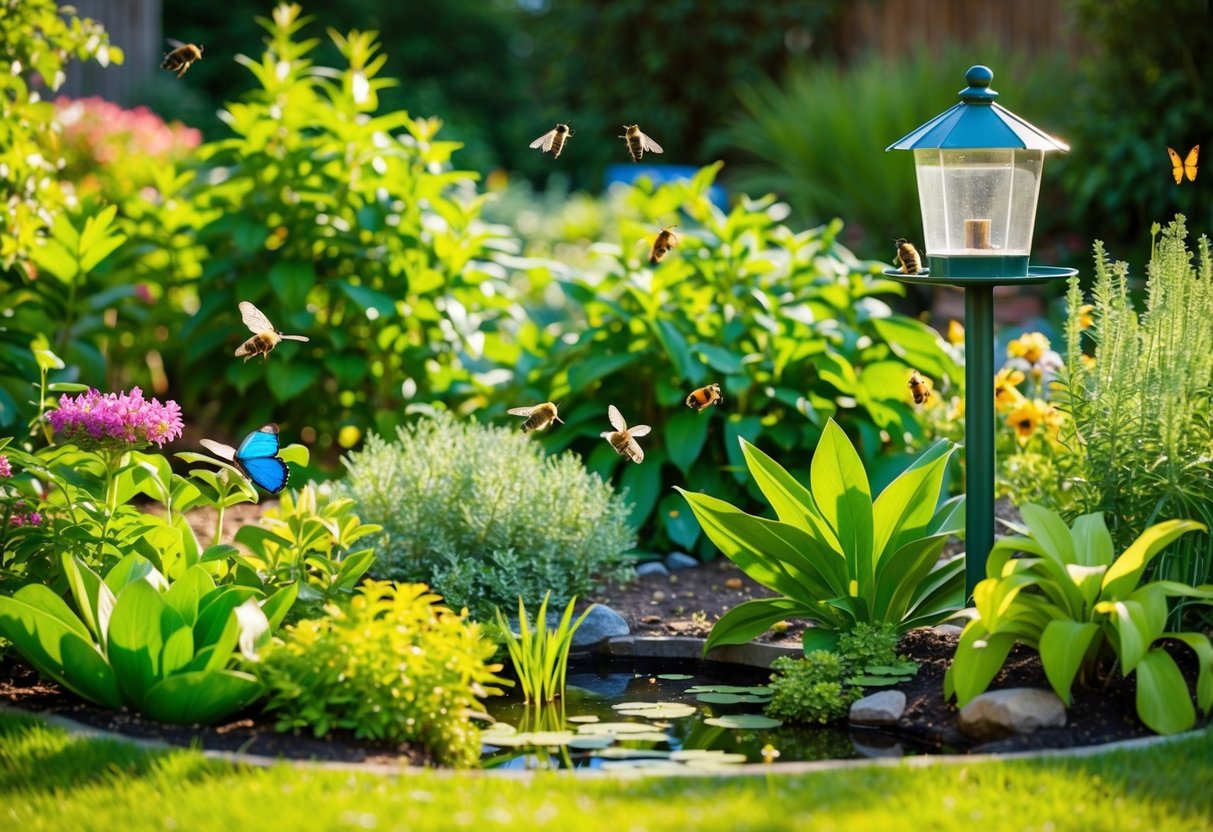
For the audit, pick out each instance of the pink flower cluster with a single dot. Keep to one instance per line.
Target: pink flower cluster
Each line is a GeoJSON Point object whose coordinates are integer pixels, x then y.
{"type": "Point", "coordinates": [108, 132]}
{"type": "Point", "coordinates": [94, 420]}
{"type": "Point", "coordinates": [21, 517]}
{"type": "Point", "coordinates": [6, 470]}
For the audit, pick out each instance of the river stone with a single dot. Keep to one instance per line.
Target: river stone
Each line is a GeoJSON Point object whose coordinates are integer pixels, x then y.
{"type": "Point", "coordinates": [1000, 713]}
{"type": "Point", "coordinates": [602, 623]}
{"type": "Point", "coordinates": [883, 708]}
{"type": "Point", "coordinates": [948, 629]}
{"type": "Point", "coordinates": [680, 560]}
{"type": "Point", "coordinates": [652, 567]}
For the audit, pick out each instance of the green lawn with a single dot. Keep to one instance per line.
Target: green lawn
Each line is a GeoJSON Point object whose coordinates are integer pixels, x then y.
{"type": "Point", "coordinates": [51, 781]}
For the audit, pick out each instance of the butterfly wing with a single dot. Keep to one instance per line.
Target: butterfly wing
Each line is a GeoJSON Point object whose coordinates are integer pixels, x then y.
{"type": "Point", "coordinates": [616, 418]}
{"type": "Point", "coordinates": [1177, 167]}
{"type": "Point", "coordinates": [633, 451]}
{"type": "Point", "coordinates": [640, 430]}
{"type": "Point", "coordinates": [545, 140]}
{"type": "Point", "coordinates": [650, 145]}
{"type": "Point", "coordinates": [219, 449]}
{"type": "Point", "coordinates": [257, 456]}
{"type": "Point", "coordinates": [263, 442]}
{"type": "Point", "coordinates": [253, 318]}
{"type": "Point", "coordinates": [1190, 163]}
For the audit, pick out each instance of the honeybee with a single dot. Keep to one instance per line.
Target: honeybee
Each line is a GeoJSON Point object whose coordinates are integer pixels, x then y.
{"type": "Point", "coordinates": [623, 439]}
{"type": "Point", "coordinates": [705, 397]}
{"type": "Point", "coordinates": [666, 240]}
{"type": "Point", "coordinates": [553, 140]}
{"type": "Point", "coordinates": [265, 337]}
{"type": "Point", "coordinates": [638, 142]}
{"type": "Point", "coordinates": [911, 263]}
{"type": "Point", "coordinates": [919, 387]}
{"type": "Point", "coordinates": [537, 417]}
{"type": "Point", "coordinates": [182, 57]}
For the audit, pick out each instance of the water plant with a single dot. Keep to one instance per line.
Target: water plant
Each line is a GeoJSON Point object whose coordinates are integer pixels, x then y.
{"type": "Point", "coordinates": [1088, 611]}
{"type": "Point", "coordinates": [539, 653]}
{"type": "Point", "coordinates": [835, 556]}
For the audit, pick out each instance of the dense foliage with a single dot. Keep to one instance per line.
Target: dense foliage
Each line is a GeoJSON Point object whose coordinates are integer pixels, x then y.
{"type": "Point", "coordinates": [835, 556]}
{"type": "Point", "coordinates": [484, 516]}
{"type": "Point", "coordinates": [1088, 611]}
{"type": "Point", "coordinates": [392, 663]}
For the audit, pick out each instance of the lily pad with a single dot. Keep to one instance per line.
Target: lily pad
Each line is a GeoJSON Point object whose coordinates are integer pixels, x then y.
{"type": "Point", "coordinates": [647, 736]}
{"type": "Point", "coordinates": [720, 689]}
{"type": "Point", "coordinates": [598, 728]}
{"type": "Point", "coordinates": [874, 681]}
{"type": "Point", "coordinates": [653, 766]}
{"type": "Point", "coordinates": [586, 718]}
{"type": "Point", "coordinates": [691, 755]}
{"type": "Point", "coordinates": [632, 754]}
{"type": "Point", "coordinates": [591, 743]}
{"type": "Point", "coordinates": [656, 710]}
{"type": "Point", "coordinates": [731, 698]}
{"type": "Point", "coordinates": [890, 670]}
{"type": "Point", "coordinates": [675, 677]}
{"type": "Point", "coordinates": [743, 722]}
{"type": "Point", "coordinates": [546, 738]}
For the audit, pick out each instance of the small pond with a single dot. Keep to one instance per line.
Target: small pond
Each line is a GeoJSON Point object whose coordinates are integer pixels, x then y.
{"type": "Point", "coordinates": [660, 714]}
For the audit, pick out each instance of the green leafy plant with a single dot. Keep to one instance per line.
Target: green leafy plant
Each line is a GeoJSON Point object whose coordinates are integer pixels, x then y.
{"type": "Point", "coordinates": [391, 663]}
{"type": "Point", "coordinates": [484, 516]}
{"type": "Point", "coordinates": [1082, 607]}
{"type": "Point", "coordinates": [539, 653]}
{"type": "Point", "coordinates": [794, 328]}
{"type": "Point", "coordinates": [135, 640]}
{"type": "Point", "coordinates": [1141, 438]}
{"type": "Point", "coordinates": [835, 556]}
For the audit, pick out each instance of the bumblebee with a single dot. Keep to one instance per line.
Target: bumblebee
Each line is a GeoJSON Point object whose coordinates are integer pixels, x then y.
{"type": "Point", "coordinates": [553, 140]}
{"type": "Point", "coordinates": [638, 142]}
{"type": "Point", "coordinates": [705, 397]}
{"type": "Point", "coordinates": [265, 337]}
{"type": "Point", "coordinates": [183, 56]}
{"type": "Point", "coordinates": [911, 263]}
{"type": "Point", "coordinates": [537, 417]}
{"type": "Point", "coordinates": [666, 240]}
{"type": "Point", "coordinates": [623, 438]}
{"type": "Point", "coordinates": [919, 388]}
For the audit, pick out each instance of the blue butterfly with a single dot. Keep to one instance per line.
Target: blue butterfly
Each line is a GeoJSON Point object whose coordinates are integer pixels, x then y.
{"type": "Point", "coordinates": [257, 458]}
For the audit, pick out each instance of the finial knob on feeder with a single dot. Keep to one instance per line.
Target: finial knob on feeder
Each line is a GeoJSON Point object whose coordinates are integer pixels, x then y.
{"type": "Point", "coordinates": [979, 79]}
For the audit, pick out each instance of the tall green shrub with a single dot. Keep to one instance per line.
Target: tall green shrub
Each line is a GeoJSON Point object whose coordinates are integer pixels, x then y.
{"type": "Point", "coordinates": [1143, 414]}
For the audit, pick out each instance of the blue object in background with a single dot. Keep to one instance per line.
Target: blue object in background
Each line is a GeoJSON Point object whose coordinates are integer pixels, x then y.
{"type": "Point", "coordinates": [660, 174]}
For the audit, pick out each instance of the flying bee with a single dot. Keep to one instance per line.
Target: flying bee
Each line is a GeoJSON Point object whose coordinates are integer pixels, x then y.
{"type": "Point", "coordinates": [623, 439]}
{"type": "Point", "coordinates": [705, 397]}
{"type": "Point", "coordinates": [553, 140]}
{"type": "Point", "coordinates": [265, 337]}
{"type": "Point", "coordinates": [911, 263]}
{"type": "Point", "coordinates": [638, 142]}
{"type": "Point", "coordinates": [919, 387]}
{"type": "Point", "coordinates": [183, 56]}
{"type": "Point", "coordinates": [666, 240]}
{"type": "Point", "coordinates": [537, 417]}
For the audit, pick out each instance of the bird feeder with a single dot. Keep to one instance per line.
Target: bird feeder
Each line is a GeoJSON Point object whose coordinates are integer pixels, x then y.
{"type": "Point", "coordinates": [979, 167]}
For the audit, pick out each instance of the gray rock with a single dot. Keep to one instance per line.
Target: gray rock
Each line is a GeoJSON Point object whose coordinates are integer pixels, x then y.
{"type": "Point", "coordinates": [602, 623]}
{"type": "Point", "coordinates": [680, 560]}
{"type": "Point", "coordinates": [652, 567]}
{"type": "Point", "coordinates": [948, 629]}
{"type": "Point", "coordinates": [883, 708]}
{"type": "Point", "coordinates": [1000, 713]}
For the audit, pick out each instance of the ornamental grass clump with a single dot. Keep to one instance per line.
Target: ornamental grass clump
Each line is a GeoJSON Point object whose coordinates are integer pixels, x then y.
{"type": "Point", "coordinates": [393, 663]}
{"type": "Point", "coordinates": [483, 516]}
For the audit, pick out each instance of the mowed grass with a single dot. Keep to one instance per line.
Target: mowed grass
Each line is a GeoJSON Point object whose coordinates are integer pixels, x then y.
{"type": "Point", "coordinates": [49, 780]}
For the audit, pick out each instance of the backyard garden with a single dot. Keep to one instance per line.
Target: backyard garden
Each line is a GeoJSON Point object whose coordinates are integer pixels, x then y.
{"type": "Point", "coordinates": [360, 470]}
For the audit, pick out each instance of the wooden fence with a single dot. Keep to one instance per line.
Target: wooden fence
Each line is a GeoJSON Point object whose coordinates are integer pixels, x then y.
{"type": "Point", "coordinates": [133, 25]}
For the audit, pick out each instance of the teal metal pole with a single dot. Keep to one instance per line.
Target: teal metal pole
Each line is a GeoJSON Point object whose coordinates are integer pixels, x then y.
{"type": "Point", "coordinates": [979, 432]}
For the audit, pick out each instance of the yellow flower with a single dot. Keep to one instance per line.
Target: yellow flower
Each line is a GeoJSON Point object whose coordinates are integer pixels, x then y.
{"type": "Point", "coordinates": [1030, 346]}
{"type": "Point", "coordinates": [1026, 418]}
{"type": "Point", "coordinates": [957, 411]}
{"type": "Point", "coordinates": [1088, 362]}
{"type": "Point", "coordinates": [1006, 388]}
{"type": "Point", "coordinates": [1084, 316]}
{"type": "Point", "coordinates": [956, 333]}
{"type": "Point", "coordinates": [1053, 421]}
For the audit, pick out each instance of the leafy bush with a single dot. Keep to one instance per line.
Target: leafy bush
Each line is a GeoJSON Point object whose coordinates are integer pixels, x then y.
{"type": "Point", "coordinates": [836, 557]}
{"type": "Point", "coordinates": [135, 640]}
{"type": "Point", "coordinates": [790, 324]}
{"type": "Point", "coordinates": [818, 136]}
{"type": "Point", "coordinates": [1086, 610]}
{"type": "Point", "coordinates": [484, 517]}
{"type": "Point", "coordinates": [1142, 411]}
{"type": "Point", "coordinates": [392, 663]}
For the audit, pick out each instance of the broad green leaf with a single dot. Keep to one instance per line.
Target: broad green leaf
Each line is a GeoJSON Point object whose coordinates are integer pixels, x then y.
{"type": "Point", "coordinates": [353, 567]}
{"type": "Point", "coordinates": [685, 433]}
{"type": "Point", "coordinates": [905, 508]}
{"type": "Point", "coordinates": [589, 370]}
{"type": "Point", "coordinates": [37, 622]}
{"type": "Point", "coordinates": [899, 574]}
{"type": "Point", "coordinates": [750, 619]}
{"type": "Point", "coordinates": [680, 523]}
{"type": "Point", "coordinates": [1163, 701]}
{"type": "Point", "coordinates": [366, 299]}
{"type": "Point", "coordinates": [178, 651]}
{"type": "Point", "coordinates": [1126, 572]}
{"type": "Point", "coordinates": [134, 567]}
{"type": "Point", "coordinates": [136, 638]}
{"type": "Point", "coordinates": [1200, 645]}
{"type": "Point", "coordinates": [1051, 532]}
{"type": "Point", "coordinates": [1064, 646]}
{"type": "Point", "coordinates": [643, 485]}
{"type": "Point", "coordinates": [201, 696]}
{"type": "Point", "coordinates": [1134, 631]}
{"type": "Point", "coordinates": [286, 381]}
{"type": "Point", "coordinates": [949, 517]}
{"type": "Point", "coordinates": [840, 489]}
{"type": "Point", "coordinates": [88, 673]}
{"type": "Point", "coordinates": [979, 656]}
{"type": "Point", "coordinates": [94, 600]}
{"type": "Point", "coordinates": [214, 610]}
{"type": "Point", "coordinates": [279, 604]}
{"type": "Point", "coordinates": [793, 503]}
{"type": "Point", "coordinates": [187, 591]}
{"type": "Point", "coordinates": [675, 345]}
{"type": "Point", "coordinates": [1092, 542]}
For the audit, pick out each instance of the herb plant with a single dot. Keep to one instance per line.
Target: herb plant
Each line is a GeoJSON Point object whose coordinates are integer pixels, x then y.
{"type": "Point", "coordinates": [1088, 611]}
{"type": "Point", "coordinates": [482, 515]}
{"type": "Point", "coordinates": [539, 653]}
{"type": "Point", "coordinates": [837, 557]}
{"type": "Point", "coordinates": [391, 663]}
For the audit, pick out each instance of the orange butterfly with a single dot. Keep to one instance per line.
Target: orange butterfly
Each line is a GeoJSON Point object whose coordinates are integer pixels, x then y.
{"type": "Point", "coordinates": [1187, 166]}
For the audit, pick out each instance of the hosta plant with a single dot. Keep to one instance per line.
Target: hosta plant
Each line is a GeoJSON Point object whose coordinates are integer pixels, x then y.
{"type": "Point", "coordinates": [1087, 612]}
{"type": "Point", "coordinates": [137, 641]}
{"type": "Point", "coordinates": [835, 556]}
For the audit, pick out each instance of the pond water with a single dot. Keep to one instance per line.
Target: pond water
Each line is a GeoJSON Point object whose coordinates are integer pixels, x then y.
{"type": "Point", "coordinates": [660, 714]}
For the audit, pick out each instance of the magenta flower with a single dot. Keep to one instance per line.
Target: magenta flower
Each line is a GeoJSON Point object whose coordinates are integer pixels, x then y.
{"type": "Point", "coordinates": [6, 470]}
{"type": "Point", "coordinates": [117, 421]}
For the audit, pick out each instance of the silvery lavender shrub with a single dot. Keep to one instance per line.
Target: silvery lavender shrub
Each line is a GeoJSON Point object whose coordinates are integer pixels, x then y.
{"type": "Point", "coordinates": [484, 516]}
